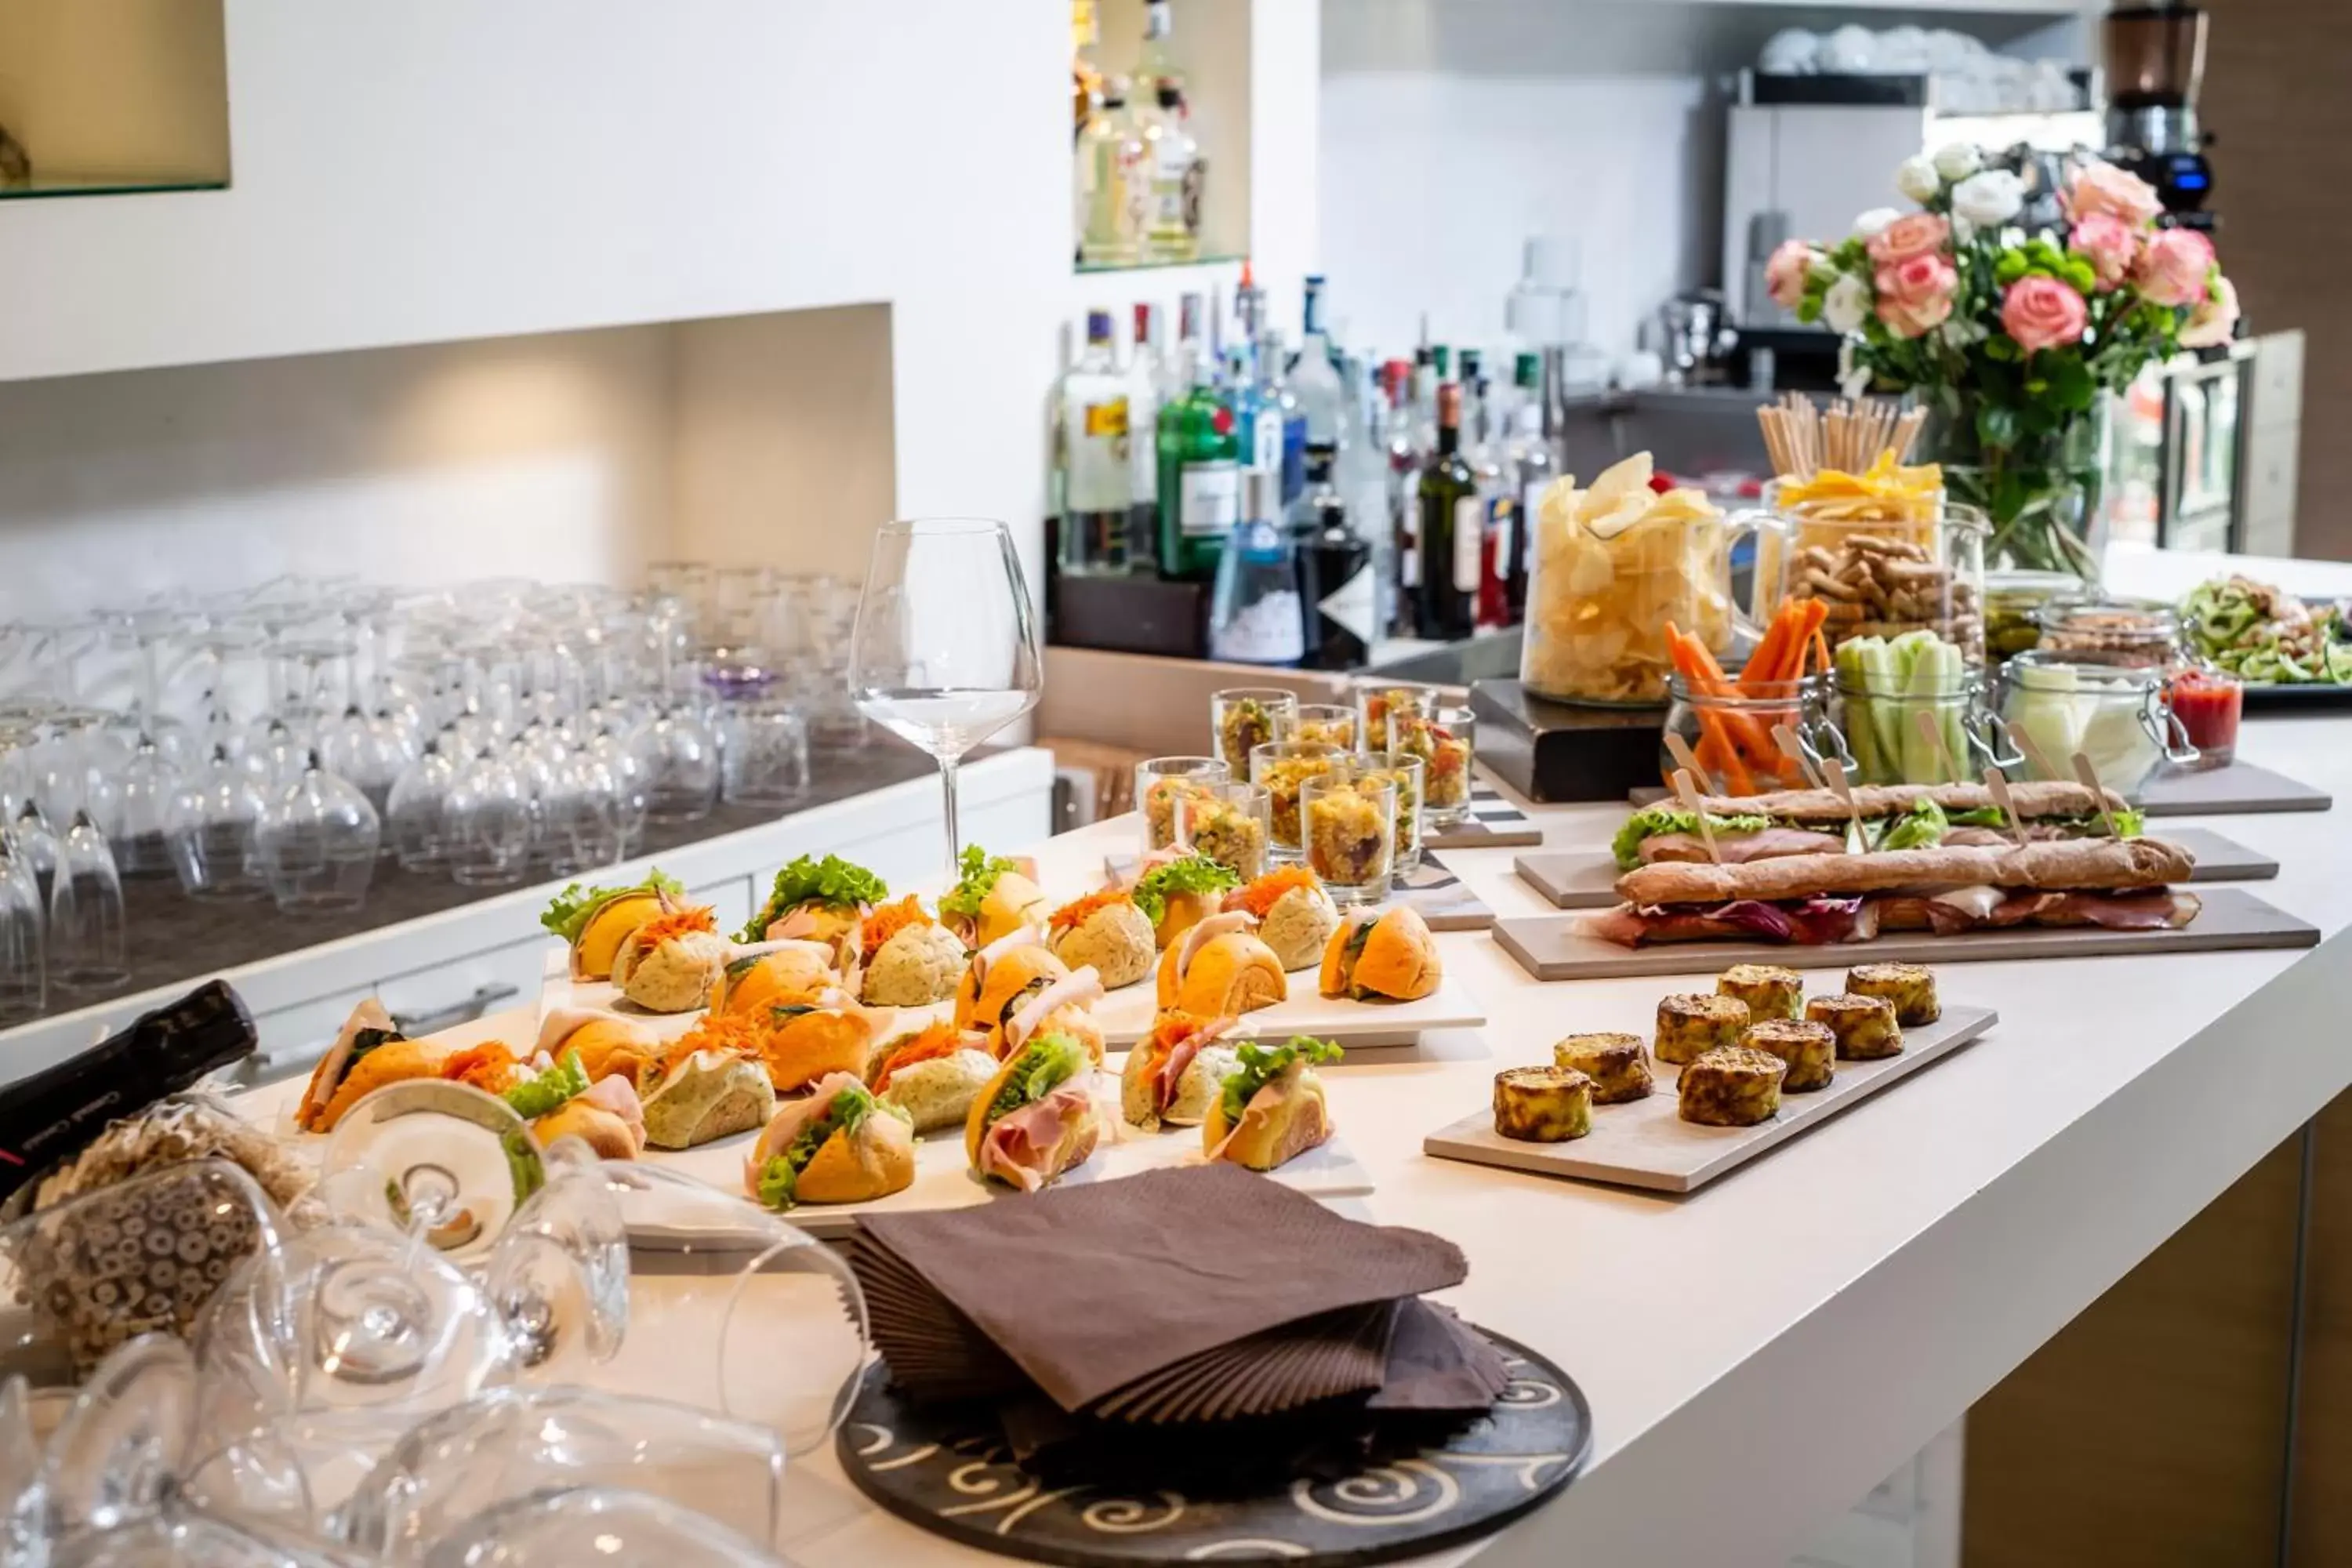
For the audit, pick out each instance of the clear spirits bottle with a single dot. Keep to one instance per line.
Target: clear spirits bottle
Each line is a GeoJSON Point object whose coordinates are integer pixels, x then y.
{"type": "Point", "coordinates": [1173, 232]}
{"type": "Point", "coordinates": [1146, 385]}
{"type": "Point", "coordinates": [1288, 422]}
{"type": "Point", "coordinates": [1113, 181]}
{"type": "Point", "coordinates": [1315, 379]}
{"type": "Point", "coordinates": [1257, 614]}
{"type": "Point", "coordinates": [1092, 447]}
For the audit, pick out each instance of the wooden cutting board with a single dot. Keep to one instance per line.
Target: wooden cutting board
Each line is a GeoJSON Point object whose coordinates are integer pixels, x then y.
{"type": "Point", "coordinates": [1587, 879]}
{"type": "Point", "coordinates": [1645, 1144]}
{"type": "Point", "coordinates": [2239, 787]}
{"type": "Point", "coordinates": [1551, 947]}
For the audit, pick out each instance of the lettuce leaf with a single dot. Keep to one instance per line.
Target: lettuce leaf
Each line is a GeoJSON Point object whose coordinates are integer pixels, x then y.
{"type": "Point", "coordinates": [1663, 817]}
{"type": "Point", "coordinates": [568, 910]}
{"type": "Point", "coordinates": [1046, 1063]}
{"type": "Point", "coordinates": [1191, 874]}
{"type": "Point", "coordinates": [1978, 816]}
{"type": "Point", "coordinates": [1261, 1064]}
{"type": "Point", "coordinates": [979, 871]}
{"type": "Point", "coordinates": [535, 1096]}
{"type": "Point", "coordinates": [1921, 827]}
{"type": "Point", "coordinates": [832, 880]}
{"type": "Point", "coordinates": [779, 1177]}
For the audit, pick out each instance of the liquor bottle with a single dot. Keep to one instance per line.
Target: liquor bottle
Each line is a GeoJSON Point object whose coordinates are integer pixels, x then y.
{"type": "Point", "coordinates": [1497, 497]}
{"type": "Point", "coordinates": [1092, 446]}
{"type": "Point", "coordinates": [1114, 184]}
{"type": "Point", "coordinates": [1146, 385]}
{"type": "Point", "coordinates": [1315, 379]}
{"type": "Point", "coordinates": [1173, 233]}
{"type": "Point", "coordinates": [1257, 614]}
{"type": "Point", "coordinates": [1199, 463]}
{"type": "Point", "coordinates": [1153, 63]}
{"type": "Point", "coordinates": [1404, 488]}
{"type": "Point", "coordinates": [1281, 408]}
{"type": "Point", "coordinates": [1340, 568]}
{"type": "Point", "coordinates": [1451, 531]}
{"type": "Point", "coordinates": [1534, 465]}
{"type": "Point", "coordinates": [1365, 482]}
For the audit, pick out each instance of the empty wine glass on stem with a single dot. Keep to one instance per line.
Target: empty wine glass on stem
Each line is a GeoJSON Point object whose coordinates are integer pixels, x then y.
{"type": "Point", "coordinates": [944, 651]}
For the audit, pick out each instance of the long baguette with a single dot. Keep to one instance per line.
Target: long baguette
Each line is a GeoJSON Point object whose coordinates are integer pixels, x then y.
{"type": "Point", "coordinates": [2050, 865]}
{"type": "Point", "coordinates": [2042, 797]}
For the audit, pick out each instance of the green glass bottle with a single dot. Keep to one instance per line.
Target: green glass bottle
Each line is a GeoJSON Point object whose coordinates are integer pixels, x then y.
{"type": "Point", "coordinates": [1200, 475]}
{"type": "Point", "coordinates": [1452, 530]}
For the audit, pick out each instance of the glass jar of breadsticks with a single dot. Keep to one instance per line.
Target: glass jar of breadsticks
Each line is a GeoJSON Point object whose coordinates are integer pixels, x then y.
{"type": "Point", "coordinates": [1624, 573]}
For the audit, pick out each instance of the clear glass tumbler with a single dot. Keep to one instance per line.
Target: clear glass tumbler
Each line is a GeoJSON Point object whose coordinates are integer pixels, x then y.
{"type": "Point", "coordinates": [1350, 821]}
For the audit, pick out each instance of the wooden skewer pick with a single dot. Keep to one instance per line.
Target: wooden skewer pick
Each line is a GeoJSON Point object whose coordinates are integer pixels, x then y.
{"type": "Point", "coordinates": [1931, 730]}
{"type": "Point", "coordinates": [1791, 748]}
{"type": "Point", "coordinates": [1844, 792]}
{"type": "Point", "coordinates": [2089, 777]}
{"type": "Point", "coordinates": [1687, 794]}
{"type": "Point", "coordinates": [1687, 760]}
{"type": "Point", "coordinates": [2022, 742]}
{"type": "Point", "coordinates": [2001, 797]}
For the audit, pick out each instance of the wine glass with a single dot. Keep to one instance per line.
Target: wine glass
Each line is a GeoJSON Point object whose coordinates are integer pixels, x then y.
{"type": "Point", "coordinates": [211, 829]}
{"type": "Point", "coordinates": [561, 1527]}
{"type": "Point", "coordinates": [24, 967]}
{"type": "Point", "coordinates": [944, 651]}
{"type": "Point", "coordinates": [315, 843]}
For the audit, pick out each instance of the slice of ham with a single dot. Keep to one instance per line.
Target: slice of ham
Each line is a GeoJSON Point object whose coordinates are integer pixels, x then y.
{"type": "Point", "coordinates": [1170, 1070]}
{"type": "Point", "coordinates": [1737, 848]}
{"type": "Point", "coordinates": [1026, 1149]}
{"type": "Point", "coordinates": [2157, 909]}
{"type": "Point", "coordinates": [1267, 1105]}
{"type": "Point", "coordinates": [1082, 987]}
{"type": "Point", "coordinates": [1027, 936]}
{"type": "Point", "coordinates": [790, 1117]}
{"type": "Point", "coordinates": [1820, 922]}
{"type": "Point", "coordinates": [1206, 931]}
{"type": "Point", "coordinates": [561, 1023]}
{"type": "Point", "coordinates": [617, 1095]}
{"type": "Point", "coordinates": [799, 925]}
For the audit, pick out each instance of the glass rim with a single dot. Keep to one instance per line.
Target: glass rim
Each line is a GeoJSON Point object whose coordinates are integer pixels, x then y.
{"type": "Point", "coordinates": [1206, 764]}
{"type": "Point", "coordinates": [1781, 693]}
{"type": "Point", "coordinates": [2028, 663]}
{"type": "Point", "coordinates": [1303, 748]}
{"type": "Point", "coordinates": [949, 525]}
{"type": "Point", "coordinates": [1253, 694]}
{"type": "Point", "coordinates": [1323, 784]}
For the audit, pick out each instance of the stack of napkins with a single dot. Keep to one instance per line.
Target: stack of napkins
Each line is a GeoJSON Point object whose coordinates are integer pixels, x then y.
{"type": "Point", "coordinates": [1159, 1328]}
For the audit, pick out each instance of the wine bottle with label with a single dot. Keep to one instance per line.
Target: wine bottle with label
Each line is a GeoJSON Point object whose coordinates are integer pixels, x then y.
{"type": "Point", "coordinates": [1452, 530]}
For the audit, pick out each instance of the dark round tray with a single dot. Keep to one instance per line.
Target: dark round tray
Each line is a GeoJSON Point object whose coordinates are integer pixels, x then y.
{"type": "Point", "coordinates": [948, 1471]}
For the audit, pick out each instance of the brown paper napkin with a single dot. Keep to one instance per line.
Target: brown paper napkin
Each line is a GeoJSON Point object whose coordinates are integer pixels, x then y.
{"type": "Point", "coordinates": [1089, 1288]}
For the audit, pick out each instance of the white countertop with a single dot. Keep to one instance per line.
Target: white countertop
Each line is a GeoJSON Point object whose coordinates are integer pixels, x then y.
{"type": "Point", "coordinates": [1760, 1354]}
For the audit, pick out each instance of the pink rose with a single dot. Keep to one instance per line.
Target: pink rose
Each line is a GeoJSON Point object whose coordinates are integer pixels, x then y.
{"type": "Point", "coordinates": [2108, 243]}
{"type": "Point", "coordinates": [2043, 313]}
{"type": "Point", "coordinates": [1916, 296]}
{"type": "Point", "coordinates": [2215, 319]}
{"type": "Point", "coordinates": [2101, 187]}
{"type": "Point", "coordinates": [2175, 267]}
{"type": "Point", "coordinates": [1784, 274]}
{"type": "Point", "coordinates": [1913, 234]}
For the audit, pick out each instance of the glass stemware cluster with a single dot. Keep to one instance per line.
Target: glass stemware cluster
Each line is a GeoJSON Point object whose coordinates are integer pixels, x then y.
{"type": "Point", "coordinates": [443, 1343]}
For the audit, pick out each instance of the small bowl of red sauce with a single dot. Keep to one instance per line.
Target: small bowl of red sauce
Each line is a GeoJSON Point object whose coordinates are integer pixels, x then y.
{"type": "Point", "coordinates": [2208, 703]}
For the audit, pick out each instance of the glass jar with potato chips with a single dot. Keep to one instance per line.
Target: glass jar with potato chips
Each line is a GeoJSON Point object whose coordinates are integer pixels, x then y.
{"type": "Point", "coordinates": [1615, 565]}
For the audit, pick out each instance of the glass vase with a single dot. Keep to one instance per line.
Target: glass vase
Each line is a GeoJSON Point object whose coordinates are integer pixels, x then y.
{"type": "Point", "coordinates": [2041, 491]}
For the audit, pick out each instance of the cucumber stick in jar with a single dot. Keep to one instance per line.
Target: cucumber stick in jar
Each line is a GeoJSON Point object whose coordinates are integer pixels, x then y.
{"type": "Point", "coordinates": [1888, 685]}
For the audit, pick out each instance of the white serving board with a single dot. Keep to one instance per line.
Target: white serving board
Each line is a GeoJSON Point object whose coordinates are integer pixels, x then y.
{"type": "Point", "coordinates": [1494, 823]}
{"type": "Point", "coordinates": [1587, 879]}
{"type": "Point", "coordinates": [1646, 1144]}
{"type": "Point", "coordinates": [1553, 947]}
{"type": "Point", "coordinates": [1125, 1015]}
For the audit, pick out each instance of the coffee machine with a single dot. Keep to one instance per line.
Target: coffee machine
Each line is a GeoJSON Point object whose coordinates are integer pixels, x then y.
{"type": "Point", "coordinates": [2155, 64]}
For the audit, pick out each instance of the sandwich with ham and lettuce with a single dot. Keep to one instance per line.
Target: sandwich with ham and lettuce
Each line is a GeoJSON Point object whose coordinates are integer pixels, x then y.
{"type": "Point", "coordinates": [2121, 884]}
{"type": "Point", "coordinates": [1036, 1119]}
{"type": "Point", "coordinates": [1893, 816]}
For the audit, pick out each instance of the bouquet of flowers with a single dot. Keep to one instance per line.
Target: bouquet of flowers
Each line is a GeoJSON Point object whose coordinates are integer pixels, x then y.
{"type": "Point", "coordinates": [2011, 336]}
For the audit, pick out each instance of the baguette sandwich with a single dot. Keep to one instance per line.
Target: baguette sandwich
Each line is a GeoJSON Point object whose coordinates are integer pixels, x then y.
{"type": "Point", "coordinates": [1893, 816]}
{"type": "Point", "coordinates": [2119, 884]}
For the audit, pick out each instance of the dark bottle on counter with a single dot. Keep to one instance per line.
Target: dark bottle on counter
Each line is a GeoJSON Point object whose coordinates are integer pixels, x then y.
{"type": "Point", "coordinates": [1342, 617]}
{"type": "Point", "coordinates": [1451, 531]}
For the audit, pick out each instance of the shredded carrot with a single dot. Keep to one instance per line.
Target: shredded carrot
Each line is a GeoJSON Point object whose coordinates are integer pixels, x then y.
{"type": "Point", "coordinates": [489, 1066]}
{"type": "Point", "coordinates": [1260, 895]}
{"type": "Point", "coordinates": [890, 920]}
{"type": "Point", "coordinates": [1078, 909]}
{"type": "Point", "coordinates": [683, 922]}
{"type": "Point", "coordinates": [942, 1040]}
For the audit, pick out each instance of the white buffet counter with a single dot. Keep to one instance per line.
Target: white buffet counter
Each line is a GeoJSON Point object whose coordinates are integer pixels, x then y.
{"type": "Point", "coordinates": [1760, 1354]}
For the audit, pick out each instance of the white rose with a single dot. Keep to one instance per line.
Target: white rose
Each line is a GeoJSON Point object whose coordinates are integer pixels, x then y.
{"type": "Point", "coordinates": [1958, 161]}
{"type": "Point", "coordinates": [1917, 178]}
{"type": "Point", "coordinates": [1988, 199]}
{"type": "Point", "coordinates": [1871, 222]}
{"type": "Point", "coordinates": [1846, 304]}
{"type": "Point", "coordinates": [1854, 379]}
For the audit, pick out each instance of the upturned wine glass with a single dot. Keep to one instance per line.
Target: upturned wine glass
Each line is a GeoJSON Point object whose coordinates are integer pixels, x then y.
{"type": "Point", "coordinates": [944, 653]}
{"type": "Point", "coordinates": [214, 818]}
{"type": "Point", "coordinates": [24, 921]}
{"type": "Point", "coordinates": [317, 842]}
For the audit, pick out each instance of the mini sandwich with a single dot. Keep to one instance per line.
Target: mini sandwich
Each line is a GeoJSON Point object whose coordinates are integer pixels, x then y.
{"type": "Point", "coordinates": [711, 1082]}
{"type": "Point", "coordinates": [803, 1041]}
{"type": "Point", "coordinates": [1388, 957]}
{"type": "Point", "coordinates": [996, 972]}
{"type": "Point", "coordinates": [838, 1145]}
{"type": "Point", "coordinates": [674, 964]}
{"type": "Point", "coordinates": [933, 1075]}
{"type": "Point", "coordinates": [1295, 916]}
{"type": "Point", "coordinates": [1270, 1109]}
{"type": "Point", "coordinates": [1036, 1119]}
{"type": "Point", "coordinates": [910, 960]}
{"type": "Point", "coordinates": [1106, 931]}
{"type": "Point", "coordinates": [1893, 816]}
{"type": "Point", "coordinates": [1220, 966]}
{"type": "Point", "coordinates": [1176, 891]}
{"type": "Point", "coordinates": [1061, 1006]}
{"type": "Point", "coordinates": [2122, 884]}
{"type": "Point", "coordinates": [758, 976]}
{"type": "Point", "coordinates": [560, 1103]}
{"type": "Point", "coordinates": [608, 1044]}
{"type": "Point", "coordinates": [489, 1066]}
{"type": "Point", "coordinates": [595, 921]}
{"type": "Point", "coordinates": [1174, 1074]}
{"type": "Point", "coordinates": [816, 901]}
{"type": "Point", "coordinates": [368, 1053]}
{"type": "Point", "coordinates": [992, 897]}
